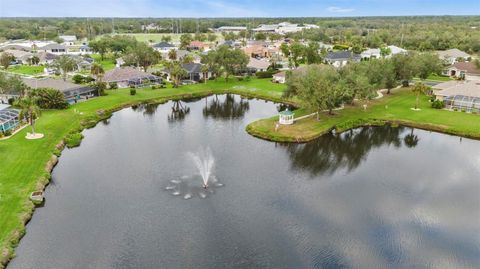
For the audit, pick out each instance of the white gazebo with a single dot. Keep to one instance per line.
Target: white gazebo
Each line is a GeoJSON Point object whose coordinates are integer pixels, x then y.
{"type": "Point", "coordinates": [286, 117]}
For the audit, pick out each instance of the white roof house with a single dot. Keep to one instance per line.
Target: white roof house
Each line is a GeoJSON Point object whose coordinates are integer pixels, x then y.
{"type": "Point", "coordinates": [68, 38]}
{"type": "Point", "coordinates": [396, 50]}
{"type": "Point", "coordinates": [371, 53]}
{"type": "Point", "coordinates": [229, 29]}
{"type": "Point", "coordinates": [451, 55]}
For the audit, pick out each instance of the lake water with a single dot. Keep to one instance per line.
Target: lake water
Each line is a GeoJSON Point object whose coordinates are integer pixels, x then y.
{"type": "Point", "coordinates": [368, 198]}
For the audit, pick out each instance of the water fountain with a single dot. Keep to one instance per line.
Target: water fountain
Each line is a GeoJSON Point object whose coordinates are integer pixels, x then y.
{"type": "Point", "coordinates": [189, 186]}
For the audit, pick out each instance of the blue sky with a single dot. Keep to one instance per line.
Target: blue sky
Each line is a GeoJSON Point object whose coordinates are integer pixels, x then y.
{"type": "Point", "coordinates": [234, 8]}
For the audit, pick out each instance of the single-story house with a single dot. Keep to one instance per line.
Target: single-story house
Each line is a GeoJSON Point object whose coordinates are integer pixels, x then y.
{"type": "Point", "coordinates": [164, 47]}
{"type": "Point", "coordinates": [461, 95]}
{"type": "Point", "coordinates": [68, 40]}
{"type": "Point", "coordinates": [452, 55]}
{"type": "Point", "coordinates": [46, 57]}
{"type": "Point", "coordinates": [54, 48]}
{"type": "Point", "coordinates": [371, 54]}
{"type": "Point", "coordinates": [394, 50]}
{"type": "Point", "coordinates": [341, 58]}
{"type": "Point", "coordinates": [130, 76]}
{"type": "Point", "coordinates": [463, 70]}
{"type": "Point", "coordinates": [9, 118]}
{"type": "Point", "coordinates": [85, 49]}
{"type": "Point", "coordinates": [73, 92]}
{"type": "Point", "coordinates": [198, 45]}
{"type": "Point", "coordinates": [257, 51]}
{"type": "Point", "coordinates": [194, 71]}
{"type": "Point", "coordinates": [256, 65]}
{"type": "Point", "coordinates": [21, 56]}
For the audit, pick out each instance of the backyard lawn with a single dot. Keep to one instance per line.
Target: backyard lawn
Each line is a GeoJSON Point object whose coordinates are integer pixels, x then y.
{"type": "Point", "coordinates": [108, 62]}
{"type": "Point", "coordinates": [30, 70]}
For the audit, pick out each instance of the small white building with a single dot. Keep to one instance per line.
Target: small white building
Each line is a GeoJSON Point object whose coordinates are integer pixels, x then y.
{"type": "Point", "coordinates": [286, 117]}
{"type": "Point", "coordinates": [451, 56]}
{"type": "Point", "coordinates": [68, 40]}
{"type": "Point", "coordinates": [371, 54]}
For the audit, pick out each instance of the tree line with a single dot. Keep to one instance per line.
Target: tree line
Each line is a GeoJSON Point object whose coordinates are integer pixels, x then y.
{"type": "Point", "coordinates": [323, 87]}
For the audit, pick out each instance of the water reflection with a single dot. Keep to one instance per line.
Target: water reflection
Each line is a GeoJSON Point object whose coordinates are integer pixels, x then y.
{"type": "Point", "coordinates": [230, 108]}
{"type": "Point", "coordinates": [331, 152]}
{"type": "Point", "coordinates": [146, 109]}
{"type": "Point", "coordinates": [179, 111]}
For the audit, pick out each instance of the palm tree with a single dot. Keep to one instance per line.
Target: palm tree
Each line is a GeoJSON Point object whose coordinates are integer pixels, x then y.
{"type": "Point", "coordinates": [65, 64]}
{"type": "Point", "coordinates": [29, 110]}
{"type": "Point", "coordinates": [205, 71]}
{"type": "Point", "coordinates": [176, 73]}
{"type": "Point", "coordinates": [97, 71]}
{"type": "Point", "coordinates": [172, 55]}
{"type": "Point", "coordinates": [418, 89]}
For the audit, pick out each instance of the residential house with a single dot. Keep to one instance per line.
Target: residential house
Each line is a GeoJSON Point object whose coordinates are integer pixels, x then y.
{"type": "Point", "coordinates": [21, 56]}
{"type": "Point", "coordinates": [255, 65]}
{"type": "Point", "coordinates": [198, 45]}
{"type": "Point", "coordinates": [130, 77]}
{"type": "Point", "coordinates": [85, 49]}
{"type": "Point", "coordinates": [460, 95]}
{"type": "Point", "coordinates": [72, 92]}
{"type": "Point", "coordinates": [164, 47]}
{"type": "Point", "coordinates": [341, 58]}
{"type": "Point", "coordinates": [46, 57]}
{"type": "Point", "coordinates": [463, 70]}
{"type": "Point", "coordinates": [194, 72]}
{"type": "Point", "coordinates": [451, 56]}
{"type": "Point", "coordinates": [371, 54]}
{"type": "Point", "coordinates": [68, 40]}
{"type": "Point", "coordinates": [54, 48]}
{"type": "Point", "coordinates": [394, 50]}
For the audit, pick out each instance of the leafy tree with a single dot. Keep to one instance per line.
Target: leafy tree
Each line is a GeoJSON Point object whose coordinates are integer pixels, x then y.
{"type": "Point", "coordinates": [311, 53]}
{"type": "Point", "coordinates": [65, 64]}
{"type": "Point", "coordinates": [5, 59]}
{"type": "Point", "coordinates": [211, 37]}
{"type": "Point", "coordinates": [100, 46]}
{"type": "Point", "coordinates": [166, 38]}
{"type": "Point", "coordinates": [404, 66]}
{"type": "Point", "coordinates": [142, 55]}
{"type": "Point", "coordinates": [185, 40]}
{"type": "Point", "coordinates": [29, 110]}
{"type": "Point", "coordinates": [187, 59]}
{"type": "Point", "coordinates": [12, 85]}
{"type": "Point", "coordinates": [318, 87]}
{"type": "Point", "coordinates": [205, 71]}
{"type": "Point", "coordinates": [297, 51]}
{"type": "Point", "coordinates": [355, 84]}
{"type": "Point", "coordinates": [426, 64]}
{"type": "Point", "coordinates": [285, 49]}
{"type": "Point", "coordinates": [418, 89]}
{"type": "Point", "coordinates": [385, 51]}
{"type": "Point", "coordinates": [230, 60]}
{"type": "Point", "coordinates": [260, 36]}
{"type": "Point", "coordinates": [49, 98]}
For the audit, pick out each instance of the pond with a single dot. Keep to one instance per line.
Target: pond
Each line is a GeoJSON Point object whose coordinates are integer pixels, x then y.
{"type": "Point", "coordinates": [378, 197]}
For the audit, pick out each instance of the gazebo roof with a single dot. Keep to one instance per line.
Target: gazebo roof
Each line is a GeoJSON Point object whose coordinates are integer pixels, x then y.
{"type": "Point", "coordinates": [286, 113]}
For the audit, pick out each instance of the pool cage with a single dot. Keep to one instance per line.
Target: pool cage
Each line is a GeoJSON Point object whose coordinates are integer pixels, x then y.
{"type": "Point", "coordinates": [144, 81]}
{"type": "Point", "coordinates": [463, 103]}
{"type": "Point", "coordinates": [9, 119]}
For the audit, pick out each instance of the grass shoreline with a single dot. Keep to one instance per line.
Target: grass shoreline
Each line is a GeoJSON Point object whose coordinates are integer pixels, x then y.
{"type": "Point", "coordinates": [64, 128]}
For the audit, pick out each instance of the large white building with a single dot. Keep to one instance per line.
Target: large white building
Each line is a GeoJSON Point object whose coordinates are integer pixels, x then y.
{"type": "Point", "coordinates": [283, 28]}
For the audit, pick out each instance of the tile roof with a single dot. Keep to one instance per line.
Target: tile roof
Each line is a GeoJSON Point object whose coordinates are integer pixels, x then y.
{"type": "Point", "coordinates": [469, 67]}
{"type": "Point", "coordinates": [124, 74]}
{"type": "Point", "coordinates": [465, 88]}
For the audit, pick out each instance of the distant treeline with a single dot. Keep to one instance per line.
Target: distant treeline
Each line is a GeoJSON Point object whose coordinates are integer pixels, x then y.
{"type": "Point", "coordinates": [417, 33]}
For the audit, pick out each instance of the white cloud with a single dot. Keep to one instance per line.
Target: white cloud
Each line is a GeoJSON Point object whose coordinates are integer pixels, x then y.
{"type": "Point", "coordinates": [339, 9]}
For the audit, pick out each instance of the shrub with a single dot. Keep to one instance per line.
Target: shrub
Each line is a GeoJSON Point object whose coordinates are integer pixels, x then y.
{"type": "Point", "coordinates": [73, 140]}
{"type": "Point", "coordinates": [100, 87]}
{"type": "Point", "coordinates": [240, 78]}
{"type": "Point", "coordinates": [78, 79]}
{"type": "Point", "coordinates": [11, 101]}
{"type": "Point", "coordinates": [405, 83]}
{"type": "Point", "coordinates": [88, 79]}
{"type": "Point", "coordinates": [113, 85]}
{"type": "Point", "coordinates": [437, 104]}
{"type": "Point", "coordinates": [154, 87]}
{"type": "Point", "coordinates": [133, 91]}
{"type": "Point", "coordinates": [266, 74]}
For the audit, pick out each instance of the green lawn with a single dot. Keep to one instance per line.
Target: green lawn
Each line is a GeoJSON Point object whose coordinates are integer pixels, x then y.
{"type": "Point", "coordinates": [395, 108]}
{"type": "Point", "coordinates": [30, 70]}
{"type": "Point", "coordinates": [23, 164]}
{"type": "Point", "coordinates": [108, 62]}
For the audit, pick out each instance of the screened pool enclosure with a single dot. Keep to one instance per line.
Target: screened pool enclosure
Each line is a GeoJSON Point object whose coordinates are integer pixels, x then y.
{"type": "Point", "coordinates": [463, 103]}
{"type": "Point", "coordinates": [9, 119]}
